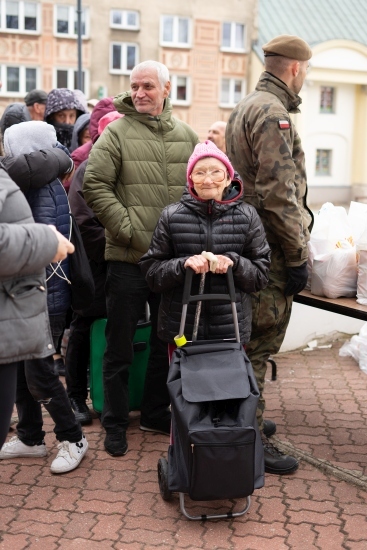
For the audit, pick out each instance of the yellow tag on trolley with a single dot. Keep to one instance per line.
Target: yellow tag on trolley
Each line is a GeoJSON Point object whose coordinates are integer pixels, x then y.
{"type": "Point", "coordinates": [180, 340]}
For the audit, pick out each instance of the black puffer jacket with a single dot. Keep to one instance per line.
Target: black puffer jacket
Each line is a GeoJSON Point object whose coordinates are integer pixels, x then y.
{"type": "Point", "coordinates": [231, 228]}
{"type": "Point", "coordinates": [31, 171]}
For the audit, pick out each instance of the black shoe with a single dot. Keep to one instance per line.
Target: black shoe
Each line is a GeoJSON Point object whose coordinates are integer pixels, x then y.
{"type": "Point", "coordinates": [115, 443]}
{"type": "Point", "coordinates": [81, 411]}
{"type": "Point", "coordinates": [59, 366]}
{"type": "Point", "coordinates": [269, 428]}
{"type": "Point", "coordinates": [159, 426]}
{"type": "Point", "coordinates": [277, 462]}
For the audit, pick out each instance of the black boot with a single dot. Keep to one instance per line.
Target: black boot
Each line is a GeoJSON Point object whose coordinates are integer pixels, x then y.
{"type": "Point", "coordinates": [277, 462]}
{"type": "Point", "coordinates": [269, 428]}
{"type": "Point", "coordinates": [115, 443]}
{"type": "Point", "coordinates": [81, 410]}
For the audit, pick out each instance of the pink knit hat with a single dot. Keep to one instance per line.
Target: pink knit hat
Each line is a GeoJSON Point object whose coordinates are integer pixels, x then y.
{"type": "Point", "coordinates": [106, 119]}
{"type": "Point", "coordinates": [208, 149]}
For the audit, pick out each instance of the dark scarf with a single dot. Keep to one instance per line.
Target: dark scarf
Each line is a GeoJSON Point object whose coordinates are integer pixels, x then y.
{"type": "Point", "coordinates": [64, 133]}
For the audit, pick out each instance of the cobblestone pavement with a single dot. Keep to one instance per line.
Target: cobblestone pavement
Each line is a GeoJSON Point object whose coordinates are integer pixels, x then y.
{"type": "Point", "coordinates": [320, 407]}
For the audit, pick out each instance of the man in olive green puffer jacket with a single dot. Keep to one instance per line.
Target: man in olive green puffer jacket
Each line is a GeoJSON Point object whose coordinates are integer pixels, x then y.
{"type": "Point", "coordinates": [137, 167]}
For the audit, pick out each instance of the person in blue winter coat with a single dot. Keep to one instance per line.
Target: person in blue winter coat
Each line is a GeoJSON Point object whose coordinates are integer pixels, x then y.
{"type": "Point", "coordinates": [49, 205]}
{"type": "Point", "coordinates": [37, 381]}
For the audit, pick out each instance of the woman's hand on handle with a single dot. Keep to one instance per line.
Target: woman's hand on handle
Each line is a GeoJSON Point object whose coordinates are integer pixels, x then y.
{"type": "Point", "coordinates": [198, 263]}
{"type": "Point", "coordinates": [201, 263]}
{"type": "Point", "coordinates": [223, 264]}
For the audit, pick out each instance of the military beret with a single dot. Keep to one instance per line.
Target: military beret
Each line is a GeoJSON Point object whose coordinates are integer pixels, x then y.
{"type": "Point", "coordinates": [288, 46]}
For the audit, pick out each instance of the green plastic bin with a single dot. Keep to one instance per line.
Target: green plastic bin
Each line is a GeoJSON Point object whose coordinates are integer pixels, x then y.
{"type": "Point", "coordinates": [136, 372]}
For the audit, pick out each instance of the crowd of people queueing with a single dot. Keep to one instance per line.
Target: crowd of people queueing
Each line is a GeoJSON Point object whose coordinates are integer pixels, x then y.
{"type": "Point", "coordinates": [147, 198]}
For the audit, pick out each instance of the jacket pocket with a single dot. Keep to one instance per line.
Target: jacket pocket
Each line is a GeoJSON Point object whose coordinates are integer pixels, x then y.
{"type": "Point", "coordinates": [222, 463]}
{"type": "Point", "coordinates": [24, 323]}
{"type": "Point", "coordinates": [25, 297]}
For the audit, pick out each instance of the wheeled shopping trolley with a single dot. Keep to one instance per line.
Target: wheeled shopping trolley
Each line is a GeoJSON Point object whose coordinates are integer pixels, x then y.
{"type": "Point", "coordinates": [215, 450]}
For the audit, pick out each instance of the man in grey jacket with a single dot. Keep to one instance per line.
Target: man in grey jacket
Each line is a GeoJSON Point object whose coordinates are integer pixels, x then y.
{"type": "Point", "coordinates": [25, 249]}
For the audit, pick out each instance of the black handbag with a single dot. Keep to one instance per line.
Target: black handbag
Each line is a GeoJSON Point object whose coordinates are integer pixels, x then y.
{"type": "Point", "coordinates": [81, 277]}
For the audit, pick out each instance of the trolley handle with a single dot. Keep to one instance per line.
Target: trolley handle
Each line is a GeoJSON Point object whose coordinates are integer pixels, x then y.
{"type": "Point", "coordinates": [188, 298]}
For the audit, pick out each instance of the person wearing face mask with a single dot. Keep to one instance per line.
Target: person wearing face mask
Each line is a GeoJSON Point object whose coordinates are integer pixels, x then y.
{"type": "Point", "coordinates": [211, 216]}
{"type": "Point", "coordinates": [63, 108]}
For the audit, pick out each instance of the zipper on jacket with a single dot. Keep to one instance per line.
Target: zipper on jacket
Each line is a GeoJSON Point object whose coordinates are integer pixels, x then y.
{"type": "Point", "coordinates": [164, 159]}
{"type": "Point", "coordinates": [209, 249]}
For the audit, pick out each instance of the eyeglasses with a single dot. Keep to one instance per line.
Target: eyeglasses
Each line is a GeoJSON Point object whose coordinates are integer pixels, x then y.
{"type": "Point", "coordinates": [215, 175]}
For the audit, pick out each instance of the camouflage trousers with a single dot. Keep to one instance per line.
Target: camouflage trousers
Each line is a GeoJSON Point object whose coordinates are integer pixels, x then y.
{"type": "Point", "coordinates": [271, 311]}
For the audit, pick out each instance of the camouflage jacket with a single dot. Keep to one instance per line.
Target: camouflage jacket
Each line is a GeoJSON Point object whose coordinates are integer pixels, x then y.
{"type": "Point", "coordinates": [265, 148]}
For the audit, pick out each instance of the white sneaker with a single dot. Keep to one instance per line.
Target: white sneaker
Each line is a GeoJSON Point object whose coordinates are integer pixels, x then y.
{"type": "Point", "coordinates": [69, 456]}
{"type": "Point", "coordinates": [15, 448]}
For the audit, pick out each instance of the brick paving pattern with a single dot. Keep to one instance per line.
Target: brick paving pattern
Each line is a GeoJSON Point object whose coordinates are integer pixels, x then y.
{"type": "Point", "coordinates": [320, 407]}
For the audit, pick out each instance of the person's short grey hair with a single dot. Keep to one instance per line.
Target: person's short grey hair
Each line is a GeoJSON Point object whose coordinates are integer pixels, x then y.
{"type": "Point", "coordinates": [161, 70]}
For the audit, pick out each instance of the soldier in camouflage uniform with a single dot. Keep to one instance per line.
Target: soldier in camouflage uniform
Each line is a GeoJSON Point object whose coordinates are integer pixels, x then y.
{"type": "Point", "coordinates": [265, 148]}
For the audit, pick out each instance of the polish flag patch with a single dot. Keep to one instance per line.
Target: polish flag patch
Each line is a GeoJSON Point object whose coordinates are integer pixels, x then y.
{"type": "Point", "coordinates": [284, 124]}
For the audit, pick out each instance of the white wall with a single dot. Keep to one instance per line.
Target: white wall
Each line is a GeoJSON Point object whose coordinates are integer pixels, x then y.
{"type": "Point", "coordinates": [309, 323]}
{"type": "Point", "coordinates": [332, 131]}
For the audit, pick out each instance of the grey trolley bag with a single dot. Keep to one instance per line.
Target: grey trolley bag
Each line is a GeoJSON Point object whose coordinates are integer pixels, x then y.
{"type": "Point", "coordinates": [215, 451]}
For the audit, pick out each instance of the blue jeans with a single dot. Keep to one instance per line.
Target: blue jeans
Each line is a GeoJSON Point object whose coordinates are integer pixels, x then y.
{"type": "Point", "coordinates": [126, 295]}
{"type": "Point", "coordinates": [38, 384]}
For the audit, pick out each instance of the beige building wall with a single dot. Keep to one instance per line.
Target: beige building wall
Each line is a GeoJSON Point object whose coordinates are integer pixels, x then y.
{"type": "Point", "coordinates": [42, 50]}
{"type": "Point", "coordinates": [204, 62]}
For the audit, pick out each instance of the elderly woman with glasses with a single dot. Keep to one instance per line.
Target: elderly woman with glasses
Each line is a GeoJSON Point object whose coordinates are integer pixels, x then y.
{"type": "Point", "coordinates": [212, 217]}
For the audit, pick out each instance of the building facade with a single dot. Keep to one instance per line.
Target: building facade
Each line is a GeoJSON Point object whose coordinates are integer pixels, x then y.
{"type": "Point", "coordinates": [333, 117]}
{"type": "Point", "coordinates": [206, 48]}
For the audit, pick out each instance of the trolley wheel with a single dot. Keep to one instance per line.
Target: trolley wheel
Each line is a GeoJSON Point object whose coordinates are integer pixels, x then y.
{"type": "Point", "coordinates": [163, 479]}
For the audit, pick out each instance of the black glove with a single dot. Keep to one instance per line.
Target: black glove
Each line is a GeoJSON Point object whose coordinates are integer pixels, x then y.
{"type": "Point", "coordinates": [297, 279]}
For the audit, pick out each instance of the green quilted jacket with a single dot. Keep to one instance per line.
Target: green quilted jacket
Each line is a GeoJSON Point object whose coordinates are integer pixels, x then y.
{"type": "Point", "coordinates": [135, 169]}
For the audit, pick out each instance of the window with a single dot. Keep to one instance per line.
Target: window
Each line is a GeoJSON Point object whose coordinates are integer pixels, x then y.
{"type": "Point", "coordinates": [233, 37]}
{"type": "Point", "coordinates": [123, 57]}
{"type": "Point", "coordinates": [19, 16]}
{"type": "Point", "coordinates": [124, 19]}
{"type": "Point", "coordinates": [66, 21]}
{"type": "Point", "coordinates": [323, 162]}
{"type": "Point", "coordinates": [175, 31]}
{"type": "Point", "coordinates": [68, 78]}
{"type": "Point", "coordinates": [232, 91]}
{"type": "Point", "coordinates": [18, 80]}
{"type": "Point", "coordinates": [327, 99]}
{"type": "Point", "coordinates": [180, 90]}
